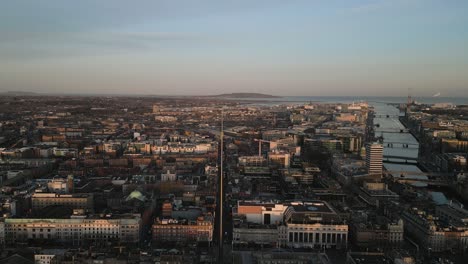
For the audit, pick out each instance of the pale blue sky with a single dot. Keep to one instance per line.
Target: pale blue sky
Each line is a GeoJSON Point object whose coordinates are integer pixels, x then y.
{"type": "Point", "coordinates": [282, 47]}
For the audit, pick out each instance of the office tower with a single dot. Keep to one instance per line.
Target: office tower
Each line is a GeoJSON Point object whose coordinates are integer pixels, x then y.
{"type": "Point", "coordinates": [374, 157]}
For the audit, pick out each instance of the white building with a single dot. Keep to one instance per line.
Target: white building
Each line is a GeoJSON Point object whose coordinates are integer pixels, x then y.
{"type": "Point", "coordinates": [125, 228]}
{"type": "Point", "coordinates": [262, 213]}
{"type": "Point", "coordinates": [299, 225]}
{"type": "Point", "coordinates": [43, 258]}
{"type": "Point", "coordinates": [313, 235]}
{"type": "Point", "coordinates": [58, 185]}
{"type": "Point", "coordinates": [313, 225]}
{"type": "Point", "coordinates": [374, 158]}
{"type": "Point", "coordinates": [168, 176]}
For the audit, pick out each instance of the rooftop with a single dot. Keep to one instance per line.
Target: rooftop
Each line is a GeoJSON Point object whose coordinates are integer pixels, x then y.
{"type": "Point", "coordinates": [312, 206]}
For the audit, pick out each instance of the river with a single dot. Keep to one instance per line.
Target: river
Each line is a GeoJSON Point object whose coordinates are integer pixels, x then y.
{"type": "Point", "coordinates": [389, 128]}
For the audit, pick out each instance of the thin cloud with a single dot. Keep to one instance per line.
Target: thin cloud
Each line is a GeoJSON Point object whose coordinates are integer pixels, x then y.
{"type": "Point", "coordinates": [18, 45]}
{"type": "Point", "coordinates": [379, 5]}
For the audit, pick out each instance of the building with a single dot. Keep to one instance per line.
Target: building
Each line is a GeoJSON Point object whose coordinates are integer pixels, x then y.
{"type": "Point", "coordinates": [304, 177]}
{"type": "Point", "coordinates": [273, 134]}
{"type": "Point", "coordinates": [374, 158]}
{"type": "Point", "coordinates": [255, 233]}
{"type": "Point", "coordinates": [49, 256]}
{"type": "Point", "coordinates": [323, 144]}
{"type": "Point", "coordinates": [313, 224]}
{"type": "Point", "coordinates": [173, 230]}
{"type": "Point", "coordinates": [44, 259]}
{"type": "Point", "coordinates": [59, 185]}
{"type": "Point", "coordinates": [168, 176]}
{"type": "Point", "coordinates": [433, 233]}
{"type": "Point", "coordinates": [348, 169]}
{"type": "Point", "coordinates": [454, 145]}
{"type": "Point", "coordinates": [75, 230]}
{"type": "Point", "coordinates": [244, 257]}
{"type": "Point", "coordinates": [252, 161]}
{"type": "Point", "coordinates": [8, 207]}
{"type": "Point", "coordinates": [346, 117]}
{"type": "Point", "coordinates": [156, 108]}
{"type": "Point", "coordinates": [451, 213]}
{"type": "Point", "coordinates": [451, 162]}
{"type": "Point", "coordinates": [166, 209]}
{"type": "Point", "coordinates": [378, 235]}
{"type": "Point", "coordinates": [74, 201]}
{"type": "Point", "coordinates": [352, 143]}
{"type": "Point", "coordinates": [262, 212]}
{"type": "Point", "coordinates": [2, 234]}
{"type": "Point", "coordinates": [280, 159]}
{"type": "Point", "coordinates": [367, 258]}
{"type": "Point", "coordinates": [373, 193]}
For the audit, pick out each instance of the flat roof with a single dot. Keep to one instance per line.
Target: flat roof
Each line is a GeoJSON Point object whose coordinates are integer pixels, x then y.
{"type": "Point", "coordinates": [312, 207]}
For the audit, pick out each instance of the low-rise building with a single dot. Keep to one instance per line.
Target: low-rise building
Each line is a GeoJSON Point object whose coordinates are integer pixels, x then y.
{"type": "Point", "coordinates": [74, 201]}
{"type": "Point", "coordinates": [264, 213]}
{"type": "Point", "coordinates": [173, 230]}
{"type": "Point", "coordinates": [75, 230]}
{"type": "Point", "coordinates": [374, 192]}
{"type": "Point", "coordinates": [244, 257]}
{"type": "Point", "coordinates": [313, 224]}
{"type": "Point", "coordinates": [255, 233]}
{"type": "Point", "coordinates": [451, 213]}
{"type": "Point", "coordinates": [280, 159]}
{"type": "Point", "coordinates": [376, 235]}
{"type": "Point", "coordinates": [2, 233]}
{"type": "Point", "coordinates": [433, 234]}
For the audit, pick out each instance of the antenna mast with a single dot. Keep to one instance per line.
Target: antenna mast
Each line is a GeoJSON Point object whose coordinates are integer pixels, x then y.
{"type": "Point", "coordinates": [220, 202]}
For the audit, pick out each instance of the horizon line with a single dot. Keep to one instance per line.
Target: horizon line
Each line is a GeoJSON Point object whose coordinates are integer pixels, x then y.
{"type": "Point", "coordinates": [29, 93]}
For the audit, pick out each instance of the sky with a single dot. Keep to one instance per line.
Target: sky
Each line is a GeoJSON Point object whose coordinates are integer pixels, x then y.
{"type": "Point", "coordinates": [203, 47]}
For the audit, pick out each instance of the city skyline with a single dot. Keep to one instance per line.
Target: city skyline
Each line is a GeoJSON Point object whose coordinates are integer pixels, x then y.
{"type": "Point", "coordinates": [297, 48]}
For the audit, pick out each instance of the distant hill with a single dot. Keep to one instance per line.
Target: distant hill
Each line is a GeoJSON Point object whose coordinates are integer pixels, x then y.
{"type": "Point", "coordinates": [244, 95]}
{"type": "Point", "coordinates": [18, 93]}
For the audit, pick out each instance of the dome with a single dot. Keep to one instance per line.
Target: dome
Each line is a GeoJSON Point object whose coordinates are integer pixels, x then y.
{"type": "Point", "coordinates": [136, 195]}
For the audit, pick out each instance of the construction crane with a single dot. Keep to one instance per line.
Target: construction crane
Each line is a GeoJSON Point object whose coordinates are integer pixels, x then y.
{"type": "Point", "coordinates": [260, 141]}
